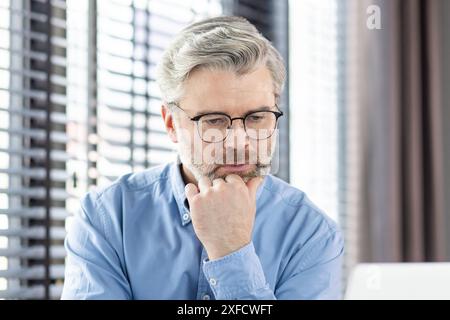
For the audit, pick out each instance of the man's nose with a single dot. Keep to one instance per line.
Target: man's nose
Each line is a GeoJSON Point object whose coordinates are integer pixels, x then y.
{"type": "Point", "coordinates": [237, 137]}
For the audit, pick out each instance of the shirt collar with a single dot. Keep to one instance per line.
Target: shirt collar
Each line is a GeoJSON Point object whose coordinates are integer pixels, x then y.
{"type": "Point", "coordinates": [180, 197]}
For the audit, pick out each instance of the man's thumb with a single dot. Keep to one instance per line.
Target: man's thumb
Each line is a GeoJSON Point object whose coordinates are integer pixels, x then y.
{"type": "Point", "coordinates": [253, 185]}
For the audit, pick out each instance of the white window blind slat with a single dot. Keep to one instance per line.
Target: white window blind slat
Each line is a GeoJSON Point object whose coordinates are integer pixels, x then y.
{"type": "Point", "coordinates": [34, 252]}
{"type": "Point", "coordinates": [35, 212]}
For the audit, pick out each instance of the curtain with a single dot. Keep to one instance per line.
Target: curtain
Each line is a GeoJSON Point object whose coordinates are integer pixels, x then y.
{"type": "Point", "coordinates": [395, 139]}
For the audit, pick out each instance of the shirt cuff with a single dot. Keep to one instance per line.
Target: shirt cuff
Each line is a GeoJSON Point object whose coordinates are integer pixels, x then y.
{"type": "Point", "coordinates": [236, 275]}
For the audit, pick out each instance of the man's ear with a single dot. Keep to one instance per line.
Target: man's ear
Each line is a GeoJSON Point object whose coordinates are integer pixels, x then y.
{"type": "Point", "coordinates": [169, 123]}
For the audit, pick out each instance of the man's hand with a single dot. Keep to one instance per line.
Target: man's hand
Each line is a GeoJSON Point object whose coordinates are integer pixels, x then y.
{"type": "Point", "coordinates": [223, 213]}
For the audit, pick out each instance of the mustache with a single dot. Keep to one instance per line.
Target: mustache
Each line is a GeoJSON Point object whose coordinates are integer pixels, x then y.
{"type": "Point", "coordinates": [209, 163]}
{"type": "Point", "coordinates": [236, 157]}
{"type": "Point", "coordinates": [260, 169]}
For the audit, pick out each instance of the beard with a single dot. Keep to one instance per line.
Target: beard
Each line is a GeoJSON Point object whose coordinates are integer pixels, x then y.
{"type": "Point", "coordinates": [212, 169]}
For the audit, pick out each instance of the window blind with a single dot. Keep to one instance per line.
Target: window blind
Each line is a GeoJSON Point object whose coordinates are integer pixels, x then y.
{"type": "Point", "coordinates": [33, 153]}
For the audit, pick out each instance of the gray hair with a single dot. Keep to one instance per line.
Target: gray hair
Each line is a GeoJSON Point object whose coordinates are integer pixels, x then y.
{"type": "Point", "coordinates": [221, 43]}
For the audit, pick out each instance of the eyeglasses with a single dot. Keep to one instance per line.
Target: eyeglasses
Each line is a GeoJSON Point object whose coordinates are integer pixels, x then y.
{"type": "Point", "coordinates": [215, 127]}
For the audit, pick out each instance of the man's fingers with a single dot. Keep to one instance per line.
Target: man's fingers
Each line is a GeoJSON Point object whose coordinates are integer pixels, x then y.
{"type": "Point", "coordinates": [233, 178]}
{"type": "Point", "coordinates": [217, 182]}
{"type": "Point", "coordinates": [204, 184]}
{"type": "Point", "coordinates": [253, 185]}
{"type": "Point", "coordinates": [190, 190]}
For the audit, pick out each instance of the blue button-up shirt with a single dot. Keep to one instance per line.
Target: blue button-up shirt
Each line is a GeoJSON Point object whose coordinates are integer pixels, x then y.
{"type": "Point", "coordinates": [135, 240]}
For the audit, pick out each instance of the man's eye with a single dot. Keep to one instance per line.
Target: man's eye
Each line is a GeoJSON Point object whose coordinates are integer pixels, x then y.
{"type": "Point", "coordinates": [216, 121]}
{"type": "Point", "coordinates": [255, 118]}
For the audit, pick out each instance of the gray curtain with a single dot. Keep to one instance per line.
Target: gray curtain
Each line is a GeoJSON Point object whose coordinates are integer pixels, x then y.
{"type": "Point", "coordinates": [445, 12]}
{"type": "Point", "coordinates": [398, 72]}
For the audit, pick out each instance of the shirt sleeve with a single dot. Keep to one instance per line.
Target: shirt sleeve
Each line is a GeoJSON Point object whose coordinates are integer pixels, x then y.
{"type": "Point", "coordinates": [314, 272]}
{"type": "Point", "coordinates": [238, 275]}
{"type": "Point", "coordinates": [93, 268]}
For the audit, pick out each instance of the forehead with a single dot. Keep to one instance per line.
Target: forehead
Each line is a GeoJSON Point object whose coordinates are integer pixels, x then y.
{"type": "Point", "coordinates": [225, 91]}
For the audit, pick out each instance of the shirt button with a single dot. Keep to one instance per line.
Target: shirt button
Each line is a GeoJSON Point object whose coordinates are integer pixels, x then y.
{"type": "Point", "coordinates": [186, 217]}
{"type": "Point", "coordinates": [212, 281]}
{"type": "Point", "coordinates": [206, 297]}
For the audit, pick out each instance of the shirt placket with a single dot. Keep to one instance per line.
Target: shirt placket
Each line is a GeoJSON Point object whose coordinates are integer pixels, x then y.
{"type": "Point", "coordinates": [204, 290]}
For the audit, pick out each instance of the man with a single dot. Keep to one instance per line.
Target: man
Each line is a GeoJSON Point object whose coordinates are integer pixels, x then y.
{"type": "Point", "coordinates": [215, 224]}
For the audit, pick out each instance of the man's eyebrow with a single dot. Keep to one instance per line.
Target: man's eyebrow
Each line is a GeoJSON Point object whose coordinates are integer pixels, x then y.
{"type": "Point", "coordinates": [262, 108]}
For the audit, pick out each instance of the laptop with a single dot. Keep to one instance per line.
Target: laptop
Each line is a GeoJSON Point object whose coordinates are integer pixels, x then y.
{"type": "Point", "coordinates": [399, 281]}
